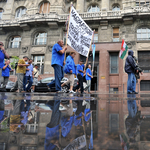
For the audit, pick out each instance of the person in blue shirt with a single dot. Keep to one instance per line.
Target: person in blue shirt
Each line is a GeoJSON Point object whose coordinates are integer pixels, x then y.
{"type": "Point", "coordinates": [28, 76]}
{"type": "Point", "coordinates": [70, 70]}
{"type": "Point", "coordinates": [3, 55]}
{"type": "Point", "coordinates": [80, 73]}
{"type": "Point", "coordinates": [88, 77]}
{"type": "Point", "coordinates": [5, 74]}
{"type": "Point", "coordinates": [57, 63]}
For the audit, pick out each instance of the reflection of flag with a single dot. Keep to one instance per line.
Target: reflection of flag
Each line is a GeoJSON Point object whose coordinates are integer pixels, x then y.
{"type": "Point", "coordinates": [91, 140]}
{"type": "Point", "coordinates": [124, 49]}
{"type": "Point", "coordinates": [93, 51]}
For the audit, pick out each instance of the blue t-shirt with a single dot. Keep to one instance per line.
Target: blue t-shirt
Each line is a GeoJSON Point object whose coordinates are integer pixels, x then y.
{"type": "Point", "coordinates": [1, 115]}
{"type": "Point", "coordinates": [2, 56]}
{"type": "Point", "coordinates": [5, 72]}
{"type": "Point", "coordinates": [57, 58]}
{"type": "Point", "coordinates": [90, 73]}
{"type": "Point", "coordinates": [29, 72]}
{"type": "Point", "coordinates": [80, 67]}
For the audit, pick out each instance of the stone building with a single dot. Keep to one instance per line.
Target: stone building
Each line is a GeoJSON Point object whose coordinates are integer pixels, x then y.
{"type": "Point", "coordinates": [32, 27]}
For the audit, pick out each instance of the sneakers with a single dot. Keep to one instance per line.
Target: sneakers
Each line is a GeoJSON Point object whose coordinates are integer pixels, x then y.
{"type": "Point", "coordinates": [72, 92]}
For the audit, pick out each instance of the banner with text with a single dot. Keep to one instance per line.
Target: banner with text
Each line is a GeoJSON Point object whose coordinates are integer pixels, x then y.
{"type": "Point", "coordinates": [79, 34]}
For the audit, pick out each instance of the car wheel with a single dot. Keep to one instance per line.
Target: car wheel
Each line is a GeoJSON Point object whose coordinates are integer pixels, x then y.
{"type": "Point", "coordinates": [65, 89]}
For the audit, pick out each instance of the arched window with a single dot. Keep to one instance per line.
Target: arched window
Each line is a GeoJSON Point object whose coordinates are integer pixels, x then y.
{"type": "Point", "coordinates": [20, 11]}
{"type": "Point", "coordinates": [15, 42]}
{"type": "Point", "coordinates": [93, 8]}
{"type": "Point", "coordinates": [40, 38]}
{"type": "Point", "coordinates": [1, 12]}
{"type": "Point", "coordinates": [143, 33]}
{"type": "Point", "coordinates": [115, 7]}
{"type": "Point", "coordinates": [44, 8]}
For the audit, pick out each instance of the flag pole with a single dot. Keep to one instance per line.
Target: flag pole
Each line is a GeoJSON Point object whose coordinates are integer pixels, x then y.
{"type": "Point", "coordinates": [94, 58]}
{"type": "Point", "coordinates": [89, 50]}
{"type": "Point", "coordinates": [68, 29]}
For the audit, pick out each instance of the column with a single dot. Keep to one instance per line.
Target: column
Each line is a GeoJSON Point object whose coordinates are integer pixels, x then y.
{"type": "Point", "coordinates": [80, 6]}
{"type": "Point", "coordinates": [105, 5]}
{"type": "Point", "coordinates": [8, 9]}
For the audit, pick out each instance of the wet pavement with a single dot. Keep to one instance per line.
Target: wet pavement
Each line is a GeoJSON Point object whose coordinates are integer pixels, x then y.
{"type": "Point", "coordinates": [49, 121]}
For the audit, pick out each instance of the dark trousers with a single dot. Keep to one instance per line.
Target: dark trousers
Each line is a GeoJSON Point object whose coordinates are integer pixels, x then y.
{"type": "Point", "coordinates": [59, 74]}
{"type": "Point", "coordinates": [25, 80]}
{"type": "Point", "coordinates": [80, 78]}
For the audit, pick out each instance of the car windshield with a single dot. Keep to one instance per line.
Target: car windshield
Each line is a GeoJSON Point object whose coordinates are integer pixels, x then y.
{"type": "Point", "coordinates": [47, 80]}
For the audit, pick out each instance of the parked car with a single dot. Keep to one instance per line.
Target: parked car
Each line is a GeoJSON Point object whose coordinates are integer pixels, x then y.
{"type": "Point", "coordinates": [42, 85]}
{"type": "Point", "coordinates": [9, 85]}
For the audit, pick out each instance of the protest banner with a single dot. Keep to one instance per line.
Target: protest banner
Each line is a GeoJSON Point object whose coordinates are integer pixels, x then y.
{"type": "Point", "coordinates": [77, 144]}
{"type": "Point", "coordinates": [79, 34]}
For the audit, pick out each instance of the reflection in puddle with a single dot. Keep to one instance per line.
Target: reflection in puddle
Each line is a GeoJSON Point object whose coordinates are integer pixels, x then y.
{"type": "Point", "coordinates": [77, 122]}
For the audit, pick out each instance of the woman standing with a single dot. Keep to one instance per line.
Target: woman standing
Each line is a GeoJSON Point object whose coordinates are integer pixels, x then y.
{"type": "Point", "coordinates": [70, 70]}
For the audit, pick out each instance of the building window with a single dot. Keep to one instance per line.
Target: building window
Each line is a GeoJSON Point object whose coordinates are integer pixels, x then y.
{"type": "Point", "coordinates": [40, 38]}
{"type": "Point", "coordinates": [116, 7]}
{"type": "Point", "coordinates": [145, 85]}
{"type": "Point", "coordinates": [113, 123]}
{"type": "Point", "coordinates": [39, 60]}
{"type": "Point", "coordinates": [1, 13]}
{"type": "Point", "coordinates": [142, 2]}
{"type": "Point", "coordinates": [44, 8]}
{"type": "Point", "coordinates": [143, 34]}
{"type": "Point", "coordinates": [144, 60]}
{"type": "Point", "coordinates": [20, 11]}
{"type": "Point", "coordinates": [15, 42]}
{"type": "Point", "coordinates": [93, 8]}
{"type": "Point", "coordinates": [114, 63]}
{"type": "Point", "coordinates": [116, 34]}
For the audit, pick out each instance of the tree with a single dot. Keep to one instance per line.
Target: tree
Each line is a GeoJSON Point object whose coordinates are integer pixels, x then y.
{"type": "Point", "coordinates": [14, 60]}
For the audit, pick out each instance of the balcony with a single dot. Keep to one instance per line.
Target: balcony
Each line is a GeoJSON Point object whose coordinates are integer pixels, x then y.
{"type": "Point", "coordinates": [54, 17]}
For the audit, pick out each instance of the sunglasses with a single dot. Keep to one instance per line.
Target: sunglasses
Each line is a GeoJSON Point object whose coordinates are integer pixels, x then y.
{"type": "Point", "coordinates": [2, 44]}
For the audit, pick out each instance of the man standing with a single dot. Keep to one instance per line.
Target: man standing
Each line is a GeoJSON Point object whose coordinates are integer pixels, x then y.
{"type": "Point", "coordinates": [57, 64]}
{"type": "Point", "coordinates": [130, 69]}
{"type": "Point", "coordinates": [36, 76]}
{"type": "Point", "coordinates": [28, 76]}
{"type": "Point", "coordinates": [20, 71]}
{"type": "Point", "coordinates": [5, 73]}
{"type": "Point", "coordinates": [80, 73]}
{"type": "Point", "coordinates": [88, 77]}
{"type": "Point", "coordinates": [3, 55]}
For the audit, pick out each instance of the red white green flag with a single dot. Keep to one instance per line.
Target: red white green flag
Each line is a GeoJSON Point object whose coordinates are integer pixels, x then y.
{"type": "Point", "coordinates": [124, 49]}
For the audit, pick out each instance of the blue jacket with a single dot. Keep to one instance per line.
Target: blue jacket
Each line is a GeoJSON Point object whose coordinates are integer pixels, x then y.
{"type": "Point", "coordinates": [70, 65]}
{"type": "Point", "coordinates": [130, 65]}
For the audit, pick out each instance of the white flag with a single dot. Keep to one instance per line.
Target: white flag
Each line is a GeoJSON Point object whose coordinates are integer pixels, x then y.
{"type": "Point", "coordinates": [79, 34]}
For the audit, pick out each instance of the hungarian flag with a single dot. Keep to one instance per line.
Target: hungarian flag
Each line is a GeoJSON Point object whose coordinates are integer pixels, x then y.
{"type": "Point", "coordinates": [124, 49]}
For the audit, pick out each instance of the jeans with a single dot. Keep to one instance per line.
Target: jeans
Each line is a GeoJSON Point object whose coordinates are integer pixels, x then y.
{"type": "Point", "coordinates": [131, 84]}
{"type": "Point", "coordinates": [4, 82]}
{"type": "Point", "coordinates": [80, 78]}
{"type": "Point", "coordinates": [59, 74]}
{"type": "Point", "coordinates": [27, 78]}
{"type": "Point", "coordinates": [89, 85]}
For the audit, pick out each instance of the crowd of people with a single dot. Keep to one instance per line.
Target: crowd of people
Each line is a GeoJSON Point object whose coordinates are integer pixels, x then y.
{"type": "Point", "coordinates": [27, 74]}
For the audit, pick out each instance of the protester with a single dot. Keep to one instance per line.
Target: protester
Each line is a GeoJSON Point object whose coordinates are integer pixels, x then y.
{"type": "Point", "coordinates": [36, 76]}
{"type": "Point", "coordinates": [57, 64]}
{"type": "Point", "coordinates": [3, 55]}
{"type": "Point", "coordinates": [70, 70]}
{"type": "Point", "coordinates": [28, 76]}
{"type": "Point", "coordinates": [21, 70]}
{"type": "Point", "coordinates": [137, 74]}
{"type": "Point", "coordinates": [88, 77]}
{"type": "Point", "coordinates": [80, 73]}
{"type": "Point", "coordinates": [130, 69]}
{"type": "Point", "coordinates": [5, 74]}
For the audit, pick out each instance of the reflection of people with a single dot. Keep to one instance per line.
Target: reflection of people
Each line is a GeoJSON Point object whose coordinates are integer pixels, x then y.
{"type": "Point", "coordinates": [52, 128]}
{"type": "Point", "coordinates": [70, 70]}
{"type": "Point", "coordinates": [130, 69]}
{"type": "Point", "coordinates": [2, 110]}
{"type": "Point", "coordinates": [133, 120]}
{"type": "Point", "coordinates": [57, 64]}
